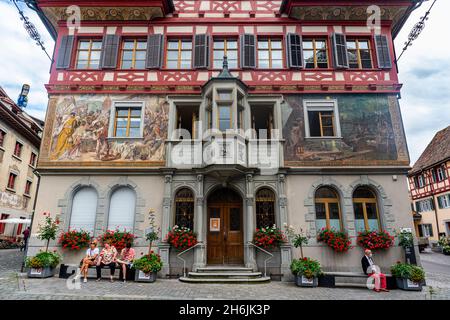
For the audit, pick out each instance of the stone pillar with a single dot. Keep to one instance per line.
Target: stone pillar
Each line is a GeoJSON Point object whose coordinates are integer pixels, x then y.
{"type": "Point", "coordinates": [199, 226]}
{"type": "Point", "coordinates": [164, 248]}
{"type": "Point", "coordinates": [249, 251]}
{"type": "Point", "coordinates": [286, 250]}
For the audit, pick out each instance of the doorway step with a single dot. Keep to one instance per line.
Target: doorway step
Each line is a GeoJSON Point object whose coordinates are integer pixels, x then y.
{"type": "Point", "coordinates": [225, 274]}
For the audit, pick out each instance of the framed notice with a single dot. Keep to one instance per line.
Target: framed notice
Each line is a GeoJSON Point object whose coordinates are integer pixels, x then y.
{"type": "Point", "coordinates": [214, 224]}
{"type": "Point", "coordinates": [143, 275]}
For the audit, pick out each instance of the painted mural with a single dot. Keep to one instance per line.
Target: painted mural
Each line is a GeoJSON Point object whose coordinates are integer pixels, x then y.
{"type": "Point", "coordinates": [367, 128]}
{"type": "Point", "coordinates": [81, 130]}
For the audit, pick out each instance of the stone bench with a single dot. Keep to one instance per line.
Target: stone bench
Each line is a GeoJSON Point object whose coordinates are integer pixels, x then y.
{"type": "Point", "coordinates": [68, 270]}
{"type": "Point", "coordinates": [350, 279]}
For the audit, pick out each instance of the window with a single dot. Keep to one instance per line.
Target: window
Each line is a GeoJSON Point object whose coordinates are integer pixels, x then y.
{"type": "Point", "coordinates": [444, 201]}
{"type": "Point", "coordinates": [224, 117]}
{"type": "Point", "coordinates": [184, 208]}
{"type": "Point", "coordinates": [315, 53]}
{"type": "Point", "coordinates": [270, 54]}
{"type": "Point", "coordinates": [328, 213]}
{"type": "Point", "coordinates": [88, 54]}
{"type": "Point", "coordinates": [33, 159]}
{"type": "Point", "coordinates": [425, 230]}
{"type": "Point", "coordinates": [2, 137]}
{"type": "Point", "coordinates": [227, 48]}
{"type": "Point", "coordinates": [421, 181]}
{"type": "Point", "coordinates": [433, 174]}
{"type": "Point", "coordinates": [262, 121]}
{"type": "Point", "coordinates": [187, 116]}
{"type": "Point", "coordinates": [224, 102]}
{"type": "Point", "coordinates": [359, 54]}
{"type": "Point", "coordinates": [12, 180]}
{"type": "Point", "coordinates": [127, 120]}
{"type": "Point", "coordinates": [366, 210]}
{"type": "Point", "coordinates": [122, 207]}
{"type": "Point", "coordinates": [84, 210]}
{"type": "Point", "coordinates": [19, 227]}
{"type": "Point", "coordinates": [424, 205]}
{"type": "Point", "coordinates": [179, 54]}
{"type": "Point", "coordinates": [18, 149]}
{"type": "Point", "coordinates": [321, 119]}
{"type": "Point", "coordinates": [28, 187]}
{"type": "Point", "coordinates": [265, 208]}
{"type": "Point", "coordinates": [2, 225]}
{"type": "Point", "coordinates": [134, 53]}
{"type": "Point", "coordinates": [441, 173]}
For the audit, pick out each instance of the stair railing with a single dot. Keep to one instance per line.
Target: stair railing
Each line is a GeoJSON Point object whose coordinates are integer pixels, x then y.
{"type": "Point", "coordinates": [184, 261]}
{"type": "Point", "coordinates": [266, 252]}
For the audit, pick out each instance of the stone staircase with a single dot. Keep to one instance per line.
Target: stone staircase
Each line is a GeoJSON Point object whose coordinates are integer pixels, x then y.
{"type": "Point", "coordinates": [225, 274]}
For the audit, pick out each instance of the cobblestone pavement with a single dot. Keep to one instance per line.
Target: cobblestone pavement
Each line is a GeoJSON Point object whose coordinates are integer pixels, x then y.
{"type": "Point", "coordinates": [14, 285]}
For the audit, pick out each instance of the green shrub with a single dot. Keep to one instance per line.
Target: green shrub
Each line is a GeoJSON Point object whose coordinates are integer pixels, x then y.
{"type": "Point", "coordinates": [148, 263]}
{"type": "Point", "coordinates": [408, 271]}
{"type": "Point", "coordinates": [43, 260]}
{"type": "Point", "coordinates": [306, 267]}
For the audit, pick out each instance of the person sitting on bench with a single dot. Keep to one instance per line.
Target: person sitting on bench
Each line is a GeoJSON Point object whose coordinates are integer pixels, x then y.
{"type": "Point", "coordinates": [373, 271]}
{"type": "Point", "coordinates": [126, 258]}
{"type": "Point", "coordinates": [89, 260]}
{"type": "Point", "coordinates": [107, 258]}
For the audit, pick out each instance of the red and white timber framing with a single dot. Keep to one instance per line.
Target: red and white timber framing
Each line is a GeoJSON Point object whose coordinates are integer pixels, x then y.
{"type": "Point", "coordinates": [430, 188]}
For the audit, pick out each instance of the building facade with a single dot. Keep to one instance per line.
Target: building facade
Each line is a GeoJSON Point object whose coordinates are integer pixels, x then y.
{"type": "Point", "coordinates": [300, 124]}
{"type": "Point", "coordinates": [429, 184]}
{"type": "Point", "coordinates": [20, 138]}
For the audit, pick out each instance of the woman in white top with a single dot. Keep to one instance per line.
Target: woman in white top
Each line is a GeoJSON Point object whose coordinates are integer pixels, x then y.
{"type": "Point", "coordinates": [89, 260]}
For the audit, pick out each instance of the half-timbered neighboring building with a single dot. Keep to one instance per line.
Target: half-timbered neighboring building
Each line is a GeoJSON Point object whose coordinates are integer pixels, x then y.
{"type": "Point", "coordinates": [299, 125]}
{"type": "Point", "coordinates": [429, 184]}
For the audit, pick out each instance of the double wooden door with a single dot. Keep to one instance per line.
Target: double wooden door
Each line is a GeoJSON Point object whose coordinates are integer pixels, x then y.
{"type": "Point", "coordinates": [225, 235]}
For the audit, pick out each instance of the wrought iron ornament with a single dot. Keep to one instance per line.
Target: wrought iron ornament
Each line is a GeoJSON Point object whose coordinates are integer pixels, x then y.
{"type": "Point", "coordinates": [416, 30]}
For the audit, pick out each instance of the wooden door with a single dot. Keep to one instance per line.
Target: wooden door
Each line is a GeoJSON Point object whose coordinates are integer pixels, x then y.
{"type": "Point", "coordinates": [225, 234]}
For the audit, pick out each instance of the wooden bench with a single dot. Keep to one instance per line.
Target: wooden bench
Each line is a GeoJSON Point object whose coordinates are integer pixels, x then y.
{"type": "Point", "coordinates": [63, 268]}
{"type": "Point", "coordinates": [328, 280]}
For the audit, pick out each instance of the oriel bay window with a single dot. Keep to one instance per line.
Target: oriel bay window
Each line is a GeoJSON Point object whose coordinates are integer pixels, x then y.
{"type": "Point", "coordinates": [133, 54]}
{"type": "Point", "coordinates": [184, 208]}
{"type": "Point", "coordinates": [179, 54]}
{"type": "Point", "coordinates": [366, 210]}
{"type": "Point", "coordinates": [359, 54]}
{"type": "Point", "coordinates": [270, 53]}
{"type": "Point", "coordinates": [88, 54]}
{"type": "Point", "coordinates": [265, 208]}
{"type": "Point", "coordinates": [315, 53]}
{"type": "Point", "coordinates": [127, 120]}
{"type": "Point", "coordinates": [225, 47]}
{"type": "Point", "coordinates": [328, 213]}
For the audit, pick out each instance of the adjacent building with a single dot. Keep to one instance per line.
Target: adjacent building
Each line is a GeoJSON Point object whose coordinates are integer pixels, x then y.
{"type": "Point", "coordinates": [429, 184]}
{"type": "Point", "coordinates": [20, 138]}
{"type": "Point", "coordinates": [300, 124]}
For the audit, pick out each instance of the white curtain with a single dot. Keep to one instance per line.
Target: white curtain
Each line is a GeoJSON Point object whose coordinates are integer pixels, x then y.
{"type": "Point", "coordinates": [84, 209]}
{"type": "Point", "coordinates": [122, 209]}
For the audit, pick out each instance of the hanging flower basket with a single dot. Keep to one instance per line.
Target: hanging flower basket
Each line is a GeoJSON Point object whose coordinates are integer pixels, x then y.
{"type": "Point", "coordinates": [117, 238]}
{"type": "Point", "coordinates": [74, 240]}
{"type": "Point", "coordinates": [375, 240]}
{"type": "Point", "coordinates": [268, 238]}
{"type": "Point", "coordinates": [181, 238]}
{"type": "Point", "coordinates": [337, 240]}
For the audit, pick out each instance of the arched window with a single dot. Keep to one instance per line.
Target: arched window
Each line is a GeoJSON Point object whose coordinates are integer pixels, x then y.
{"type": "Point", "coordinates": [328, 213]}
{"type": "Point", "coordinates": [122, 207]}
{"type": "Point", "coordinates": [184, 208]}
{"type": "Point", "coordinates": [366, 210]}
{"type": "Point", "coordinates": [265, 208]}
{"type": "Point", "coordinates": [84, 210]}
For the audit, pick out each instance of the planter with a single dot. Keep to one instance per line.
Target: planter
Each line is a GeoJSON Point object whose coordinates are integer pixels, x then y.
{"type": "Point", "coordinates": [46, 272]}
{"type": "Point", "coordinates": [302, 281]}
{"type": "Point", "coordinates": [408, 285]}
{"type": "Point", "coordinates": [145, 277]}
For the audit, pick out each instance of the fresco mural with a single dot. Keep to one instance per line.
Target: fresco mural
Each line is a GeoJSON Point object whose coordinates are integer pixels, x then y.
{"type": "Point", "coordinates": [81, 127]}
{"type": "Point", "coordinates": [366, 127]}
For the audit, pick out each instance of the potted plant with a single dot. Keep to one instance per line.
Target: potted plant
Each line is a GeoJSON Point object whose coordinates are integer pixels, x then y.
{"type": "Point", "coordinates": [181, 238]}
{"type": "Point", "coordinates": [269, 237]}
{"type": "Point", "coordinates": [74, 240]}
{"type": "Point", "coordinates": [306, 272]}
{"type": "Point", "coordinates": [117, 238]}
{"type": "Point", "coordinates": [147, 267]}
{"type": "Point", "coordinates": [408, 277]}
{"type": "Point", "coordinates": [375, 240]}
{"type": "Point", "coordinates": [42, 265]}
{"type": "Point", "coordinates": [337, 240]}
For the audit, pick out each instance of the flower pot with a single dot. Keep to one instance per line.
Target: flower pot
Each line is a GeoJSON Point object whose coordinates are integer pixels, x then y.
{"type": "Point", "coordinates": [408, 285]}
{"type": "Point", "coordinates": [45, 272]}
{"type": "Point", "coordinates": [302, 281]}
{"type": "Point", "coordinates": [140, 276]}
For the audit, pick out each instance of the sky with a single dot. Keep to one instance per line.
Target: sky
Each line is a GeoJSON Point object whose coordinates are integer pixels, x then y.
{"type": "Point", "coordinates": [424, 70]}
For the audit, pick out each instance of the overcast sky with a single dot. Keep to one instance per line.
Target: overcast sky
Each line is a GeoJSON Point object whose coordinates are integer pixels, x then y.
{"type": "Point", "coordinates": [424, 70]}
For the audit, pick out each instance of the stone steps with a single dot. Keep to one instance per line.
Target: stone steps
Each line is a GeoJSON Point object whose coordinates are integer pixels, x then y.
{"type": "Point", "coordinates": [225, 274]}
{"type": "Point", "coordinates": [226, 280]}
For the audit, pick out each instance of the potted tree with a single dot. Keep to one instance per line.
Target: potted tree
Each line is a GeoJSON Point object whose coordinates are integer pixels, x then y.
{"type": "Point", "coordinates": [306, 272]}
{"type": "Point", "coordinates": [44, 263]}
{"type": "Point", "coordinates": [408, 277]}
{"type": "Point", "coordinates": [147, 267]}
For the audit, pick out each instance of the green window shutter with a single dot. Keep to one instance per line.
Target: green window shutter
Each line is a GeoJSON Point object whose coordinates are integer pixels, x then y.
{"type": "Point", "coordinates": [383, 52]}
{"type": "Point", "coordinates": [248, 51]}
{"type": "Point", "coordinates": [340, 51]}
{"type": "Point", "coordinates": [155, 47]}
{"type": "Point", "coordinates": [294, 50]}
{"type": "Point", "coordinates": [110, 51]}
{"type": "Point", "coordinates": [65, 52]}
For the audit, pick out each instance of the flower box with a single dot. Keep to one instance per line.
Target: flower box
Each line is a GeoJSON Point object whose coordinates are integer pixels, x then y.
{"type": "Point", "coordinates": [408, 285]}
{"type": "Point", "coordinates": [140, 276]}
{"type": "Point", "coordinates": [45, 272]}
{"type": "Point", "coordinates": [302, 281]}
